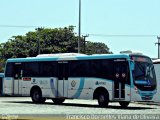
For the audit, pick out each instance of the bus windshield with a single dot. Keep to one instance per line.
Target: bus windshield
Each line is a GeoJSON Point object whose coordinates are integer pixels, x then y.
{"type": "Point", "coordinates": [144, 74]}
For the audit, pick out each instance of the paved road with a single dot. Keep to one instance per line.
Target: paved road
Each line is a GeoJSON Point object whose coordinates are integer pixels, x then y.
{"type": "Point", "coordinates": [24, 105]}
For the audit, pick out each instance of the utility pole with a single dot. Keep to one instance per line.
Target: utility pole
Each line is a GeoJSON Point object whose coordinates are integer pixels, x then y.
{"type": "Point", "coordinates": [84, 41]}
{"type": "Point", "coordinates": [38, 47]}
{"type": "Point", "coordinates": [79, 31]}
{"type": "Point", "coordinates": [158, 43]}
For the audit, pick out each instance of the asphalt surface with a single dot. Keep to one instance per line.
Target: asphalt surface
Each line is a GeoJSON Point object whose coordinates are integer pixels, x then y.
{"type": "Point", "coordinates": [14, 107]}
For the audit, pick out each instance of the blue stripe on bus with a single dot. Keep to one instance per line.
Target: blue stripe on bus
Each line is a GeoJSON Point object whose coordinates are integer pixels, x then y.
{"type": "Point", "coordinates": [31, 59]}
{"type": "Point", "coordinates": [143, 82]}
{"type": "Point", "coordinates": [52, 86]}
{"type": "Point", "coordinates": [55, 91]}
{"type": "Point", "coordinates": [81, 86]}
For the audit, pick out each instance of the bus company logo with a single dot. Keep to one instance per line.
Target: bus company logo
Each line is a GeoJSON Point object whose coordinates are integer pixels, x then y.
{"type": "Point", "coordinates": [73, 83]}
{"type": "Point", "coordinates": [33, 81]}
{"type": "Point", "coordinates": [100, 83]}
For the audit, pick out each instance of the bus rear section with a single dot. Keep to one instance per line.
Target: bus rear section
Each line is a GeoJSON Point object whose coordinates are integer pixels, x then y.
{"type": "Point", "coordinates": [12, 80]}
{"type": "Point", "coordinates": [22, 75]}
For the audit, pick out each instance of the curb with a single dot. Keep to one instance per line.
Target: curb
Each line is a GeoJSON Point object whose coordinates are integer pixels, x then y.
{"type": "Point", "coordinates": [149, 103]}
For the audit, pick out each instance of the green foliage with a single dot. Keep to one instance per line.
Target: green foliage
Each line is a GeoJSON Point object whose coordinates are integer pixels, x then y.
{"type": "Point", "coordinates": [96, 48]}
{"type": "Point", "coordinates": [2, 65]}
{"type": "Point", "coordinates": [57, 40]}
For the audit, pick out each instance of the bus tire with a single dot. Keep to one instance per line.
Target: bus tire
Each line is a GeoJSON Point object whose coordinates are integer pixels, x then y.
{"type": "Point", "coordinates": [37, 96]}
{"type": "Point", "coordinates": [103, 99]}
{"type": "Point", "coordinates": [124, 104]}
{"type": "Point", "coordinates": [58, 100]}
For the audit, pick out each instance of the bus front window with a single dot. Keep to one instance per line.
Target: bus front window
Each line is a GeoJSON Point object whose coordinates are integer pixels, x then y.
{"type": "Point", "coordinates": [144, 74]}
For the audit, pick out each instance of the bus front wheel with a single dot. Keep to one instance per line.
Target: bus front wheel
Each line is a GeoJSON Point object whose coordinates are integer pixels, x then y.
{"type": "Point", "coordinates": [37, 96]}
{"type": "Point", "coordinates": [58, 100]}
{"type": "Point", "coordinates": [103, 99]}
{"type": "Point", "coordinates": [124, 104]}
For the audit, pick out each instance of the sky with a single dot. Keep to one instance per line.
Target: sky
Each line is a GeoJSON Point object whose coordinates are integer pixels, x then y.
{"type": "Point", "coordinates": [120, 24]}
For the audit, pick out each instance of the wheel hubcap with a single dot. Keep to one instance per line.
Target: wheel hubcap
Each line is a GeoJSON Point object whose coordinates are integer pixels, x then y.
{"type": "Point", "coordinates": [101, 98]}
{"type": "Point", "coordinates": [36, 96]}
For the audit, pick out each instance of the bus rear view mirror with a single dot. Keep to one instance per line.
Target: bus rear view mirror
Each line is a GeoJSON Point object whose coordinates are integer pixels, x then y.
{"type": "Point", "coordinates": [132, 65]}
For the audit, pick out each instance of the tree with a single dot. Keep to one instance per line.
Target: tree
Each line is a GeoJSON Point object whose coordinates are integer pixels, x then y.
{"type": "Point", "coordinates": [57, 40]}
{"type": "Point", "coordinates": [96, 48]}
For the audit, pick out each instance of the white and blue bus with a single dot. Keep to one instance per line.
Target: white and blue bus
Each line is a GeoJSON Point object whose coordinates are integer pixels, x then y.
{"type": "Point", "coordinates": [107, 77]}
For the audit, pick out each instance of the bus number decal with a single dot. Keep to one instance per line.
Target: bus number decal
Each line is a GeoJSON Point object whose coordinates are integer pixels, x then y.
{"type": "Point", "coordinates": [26, 79]}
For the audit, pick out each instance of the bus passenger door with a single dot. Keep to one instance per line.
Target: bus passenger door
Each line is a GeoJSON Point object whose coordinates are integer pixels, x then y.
{"type": "Point", "coordinates": [17, 82]}
{"type": "Point", "coordinates": [120, 78]}
{"type": "Point", "coordinates": [62, 84]}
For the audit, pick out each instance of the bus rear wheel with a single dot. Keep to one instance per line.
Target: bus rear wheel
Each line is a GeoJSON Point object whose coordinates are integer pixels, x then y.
{"type": "Point", "coordinates": [103, 99]}
{"type": "Point", "coordinates": [58, 100]}
{"type": "Point", "coordinates": [37, 96]}
{"type": "Point", "coordinates": [124, 104]}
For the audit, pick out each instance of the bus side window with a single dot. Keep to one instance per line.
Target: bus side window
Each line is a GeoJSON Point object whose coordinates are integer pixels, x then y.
{"type": "Point", "coordinates": [47, 69]}
{"type": "Point", "coordinates": [9, 70]}
{"type": "Point", "coordinates": [17, 71]}
{"type": "Point", "coordinates": [31, 69]}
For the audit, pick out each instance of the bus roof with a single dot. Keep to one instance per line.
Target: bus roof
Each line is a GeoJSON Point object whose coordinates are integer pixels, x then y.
{"type": "Point", "coordinates": [60, 54]}
{"type": "Point", "coordinates": [61, 57]}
